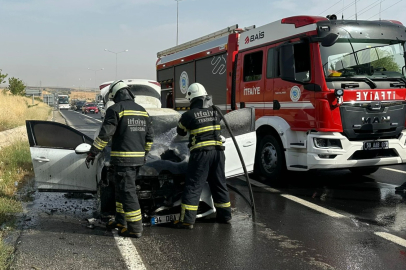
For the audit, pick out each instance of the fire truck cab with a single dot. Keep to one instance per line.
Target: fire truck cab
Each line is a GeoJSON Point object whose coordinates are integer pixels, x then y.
{"type": "Point", "coordinates": [327, 94]}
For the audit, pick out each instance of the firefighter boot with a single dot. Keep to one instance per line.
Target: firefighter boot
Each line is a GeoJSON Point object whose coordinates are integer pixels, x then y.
{"type": "Point", "coordinates": [134, 230]}
{"type": "Point", "coordinates": [223, 215]}
{"type": "Point", "coordinates": [112, 224]}
{"type": "Point", "coordinates": [182, 225]}
{"type": "Point", "coordinates": [126, 233]}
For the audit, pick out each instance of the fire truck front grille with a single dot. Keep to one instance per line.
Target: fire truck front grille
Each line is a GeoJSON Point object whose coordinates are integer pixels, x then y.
{"type": "Point", "coordinates": [371, 154]}
{"type": "Point", "coordinates": [372, 120]}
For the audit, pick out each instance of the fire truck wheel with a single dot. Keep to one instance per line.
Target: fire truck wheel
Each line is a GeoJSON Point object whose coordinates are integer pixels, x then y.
{"type": "Point", "coordinates": [270, 159]}
{"type": "Point", "coordinates": [364, 170]}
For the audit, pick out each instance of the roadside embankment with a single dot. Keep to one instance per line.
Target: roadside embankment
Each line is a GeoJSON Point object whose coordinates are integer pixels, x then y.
{"type": "Point", "coordinates": [15, 161]}
{"type": "Point", "coordinates": [16, 109]}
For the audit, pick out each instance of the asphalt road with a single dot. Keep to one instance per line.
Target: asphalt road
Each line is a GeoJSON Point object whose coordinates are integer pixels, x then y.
{"type": "Point", "coordinates": [315, 220]}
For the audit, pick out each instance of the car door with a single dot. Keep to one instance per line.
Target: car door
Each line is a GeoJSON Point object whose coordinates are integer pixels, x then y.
{"type": "Point", "coordinates": [56, 165]}
{"type": "Point", "coordinates": [242, 124]}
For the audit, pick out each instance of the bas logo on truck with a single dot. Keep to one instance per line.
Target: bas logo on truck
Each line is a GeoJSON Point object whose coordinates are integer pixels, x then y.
{"type": "Point", "coordinates": [252, 38]}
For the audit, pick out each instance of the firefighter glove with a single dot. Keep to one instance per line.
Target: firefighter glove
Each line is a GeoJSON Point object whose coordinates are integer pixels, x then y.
{"type": "Point", "coordinates": [90, 159]}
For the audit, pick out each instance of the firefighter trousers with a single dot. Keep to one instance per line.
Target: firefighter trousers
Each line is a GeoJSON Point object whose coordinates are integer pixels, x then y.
{"type": "Point", "coordinates": [128, 212]}
{"type": "Point", "coordinates": [206, 165]}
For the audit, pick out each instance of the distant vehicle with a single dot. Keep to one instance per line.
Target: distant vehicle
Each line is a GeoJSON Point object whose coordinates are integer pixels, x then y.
{"type": "Point", "coordinates": [90, 108]}
{"type": "Point", "coordinates": [147, 93]}
{"type": "Point", "coordinates": [78, 105]}
{"type": "Point", "coordinates": [63, 102]}
{"type": "Point", "coordinates": [100, 105]}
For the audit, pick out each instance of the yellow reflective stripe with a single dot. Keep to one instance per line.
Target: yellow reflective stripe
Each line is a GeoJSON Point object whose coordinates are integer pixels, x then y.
{"type": "Point", "coordinates": [182, 127]}
{"type": "Point", "coordinates": [206, 143]}
{"type": "Point", "coordinates": [133, 219]}
{"type": "Point", "coordinates": [97, 146]}
{"type": "Point", "coordinates": [222, 205]}
{"type": "Point", "coordinates": [120, 210]}
{"type": "Point", "coordinates": [128, 112]}
{"type": "Point", "coordinates": [205, 129]}
{"type": "Point", "coordinates": [133, 213]}
{"type": "Point", "coordinates": [101, 142]}
{"type": "Point", "coordinates": [119, 204]}
{"type": "Point", "coordinates": [127, 154]}
{"type": "Point", "coordinates": [148, 146]}
{"type": "Point", "coordinates": [189, 207]}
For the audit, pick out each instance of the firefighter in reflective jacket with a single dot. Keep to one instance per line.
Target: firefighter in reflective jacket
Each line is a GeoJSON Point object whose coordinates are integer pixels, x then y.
{"type": "Point", "coordinates": [129, 127]}
{"type": "Point", "coordinates": [207, 160]}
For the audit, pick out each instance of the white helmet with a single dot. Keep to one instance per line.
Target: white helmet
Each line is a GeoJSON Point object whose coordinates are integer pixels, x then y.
{"type": "Point", "coordinates": [195, 90]}
{"type": "Point", "coordinates": [115, 87]}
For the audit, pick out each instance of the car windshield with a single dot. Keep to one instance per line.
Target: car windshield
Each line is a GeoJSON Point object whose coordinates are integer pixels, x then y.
{"type": "Point", "coordinates": [90, 105]}
{"type": "Point", "coordinates": [351, 58]}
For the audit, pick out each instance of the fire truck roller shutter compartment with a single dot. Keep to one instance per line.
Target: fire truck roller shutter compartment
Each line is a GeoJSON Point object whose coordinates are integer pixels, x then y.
{"type": "Point", "coordinates": [211, 72]}
{"type": "Point", "coordinates": [184, 76]}
{"type": "Point", "coordinates": [165, 74]}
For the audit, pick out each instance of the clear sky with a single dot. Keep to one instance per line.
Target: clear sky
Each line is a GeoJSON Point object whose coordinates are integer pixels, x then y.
{"type": "Point", "coordinates": [56, 41]}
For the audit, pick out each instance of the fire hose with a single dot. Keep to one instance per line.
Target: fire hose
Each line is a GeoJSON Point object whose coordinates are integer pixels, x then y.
{"type": "Point", "coordinates": [252, 202]}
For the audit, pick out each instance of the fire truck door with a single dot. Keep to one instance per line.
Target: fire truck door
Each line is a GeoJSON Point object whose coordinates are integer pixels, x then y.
{"type": "Point", "coordinates": [252, 86]}
{"type": "Point", "coordinates": [270, 73]}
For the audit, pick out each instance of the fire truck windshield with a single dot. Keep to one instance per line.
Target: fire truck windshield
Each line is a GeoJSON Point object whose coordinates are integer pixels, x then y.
{"type": "Point", "coordinates": [351, 58]}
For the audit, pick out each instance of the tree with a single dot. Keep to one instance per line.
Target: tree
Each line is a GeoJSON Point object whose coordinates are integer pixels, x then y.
{"type": "Point", "coordinates": [2, 77]}
{"type": "Point", "coordinates": [16, 86]}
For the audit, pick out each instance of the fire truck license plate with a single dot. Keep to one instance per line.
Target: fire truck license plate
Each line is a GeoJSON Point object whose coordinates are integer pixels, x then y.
{"type": "Point", "coordinates": [374, 145]}
{"type": "Point", "coordinates": [164, 219]}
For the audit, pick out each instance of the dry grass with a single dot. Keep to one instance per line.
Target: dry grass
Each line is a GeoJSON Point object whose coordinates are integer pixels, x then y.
{"type": "Point", "coordinates": [5, 252]}
{"type": "Point", "coordinates": [16, 109]}
{"type": "Point", "coordinates": [90, 96]}
{"type": "Point", "coordinates": [15, 170]}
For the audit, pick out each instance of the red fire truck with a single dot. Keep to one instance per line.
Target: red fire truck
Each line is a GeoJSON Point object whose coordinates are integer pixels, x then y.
{"type": "Point", "coordinates": [328, 93]}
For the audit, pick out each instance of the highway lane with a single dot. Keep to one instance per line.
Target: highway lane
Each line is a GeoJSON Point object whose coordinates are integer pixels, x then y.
{"type": "Point", "coordinates": [314, 220]}
{"type": "Point", "coordinates": [368, 205]}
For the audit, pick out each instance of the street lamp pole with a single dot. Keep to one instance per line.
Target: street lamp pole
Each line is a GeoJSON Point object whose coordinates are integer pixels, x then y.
{"type": "Point", "coordinates": [116, 57]}
{"type": "Point", "coordinates": [177, 20]}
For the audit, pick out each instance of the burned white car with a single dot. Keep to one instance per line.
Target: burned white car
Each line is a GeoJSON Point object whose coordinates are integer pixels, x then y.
{"type": "Point", "coordinates": [58, 155]}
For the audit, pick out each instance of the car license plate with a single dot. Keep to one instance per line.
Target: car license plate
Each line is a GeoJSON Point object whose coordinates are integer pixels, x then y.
{"type": "Point", "coordinates": [92, 110]}
{"type": "Point", "coordinates": [375, 145]}
{"type": "Point", "coordinates": [164, 219]}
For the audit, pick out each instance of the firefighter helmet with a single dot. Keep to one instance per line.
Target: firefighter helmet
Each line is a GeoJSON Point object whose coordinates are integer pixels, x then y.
{"type": "Point", "coordinates": [115, 87]}
{"type": "Point", "coordinates": [195, 90]}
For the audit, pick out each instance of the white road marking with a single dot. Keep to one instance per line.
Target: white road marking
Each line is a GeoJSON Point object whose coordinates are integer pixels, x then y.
{"type": "Point", "coordinates": [394, 170]}
{"type": "Point", "coordinates": [392, 238]}
{"type": "Point", "coordinates": [129, 253]}
{"type": "Point", "coordinates": [313, 206]}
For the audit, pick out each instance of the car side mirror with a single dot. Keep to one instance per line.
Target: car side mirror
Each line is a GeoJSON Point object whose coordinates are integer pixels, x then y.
{"type": "Point", "coordinates": [83, 148]}
{"type": "Point", "coordinates": [329, 40]}
{"type": "Point", "coordinates": [287, 63]}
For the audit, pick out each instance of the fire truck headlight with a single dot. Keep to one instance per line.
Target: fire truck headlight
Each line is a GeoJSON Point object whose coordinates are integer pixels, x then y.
{"type": "Point", "coordinates": [339, 93]}
{"type": "Point", "coordinates": [327, 143]}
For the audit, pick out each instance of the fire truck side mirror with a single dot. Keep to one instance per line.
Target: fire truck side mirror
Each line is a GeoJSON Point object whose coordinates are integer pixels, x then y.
{"type": "Point", "coordinates": [287, 62]}
{"type": "Point", "coordinates": [329, 40]}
